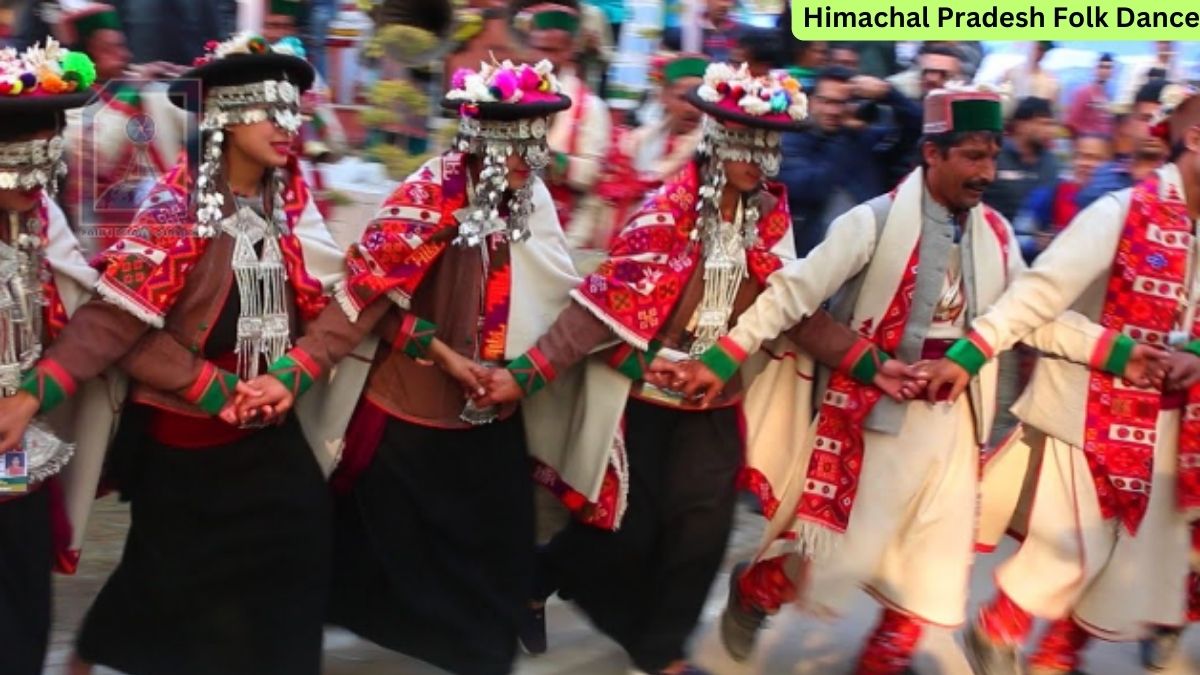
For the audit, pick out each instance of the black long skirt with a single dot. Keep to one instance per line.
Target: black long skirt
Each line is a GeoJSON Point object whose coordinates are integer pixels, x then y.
{"type": "Point", "coordinates": [226, 566]}
{"type": "Point", "coordinates": [26, 556]}
{"type": "Point", "coordinates": [434, 545]}
{"type": "Point", "coordinates": [645, 584]}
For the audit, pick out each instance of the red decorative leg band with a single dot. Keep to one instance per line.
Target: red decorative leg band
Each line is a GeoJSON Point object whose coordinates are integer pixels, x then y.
{"type": "Point", "coordinates": [1061, 646]}
{"type": "Point", "coordinates": [891, 646]}
{"type": "Point", "coordinates": [766, 586]}
{"type": "Point", "coordinates": [1004, 622]}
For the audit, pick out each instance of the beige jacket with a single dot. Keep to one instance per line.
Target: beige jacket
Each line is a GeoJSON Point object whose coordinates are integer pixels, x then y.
{"type": "Point", "coordinates": [1072, 273]}
{"type": "Point", "coordinates": [852, 247]}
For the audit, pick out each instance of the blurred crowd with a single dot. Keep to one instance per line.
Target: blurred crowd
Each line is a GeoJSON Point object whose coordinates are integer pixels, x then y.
{"type": "Point", "coordinates": [1064, 145]}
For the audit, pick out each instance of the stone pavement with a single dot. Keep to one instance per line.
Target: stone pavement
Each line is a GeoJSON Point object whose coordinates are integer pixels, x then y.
{"type": "Point", "coordinates": [793, 645]}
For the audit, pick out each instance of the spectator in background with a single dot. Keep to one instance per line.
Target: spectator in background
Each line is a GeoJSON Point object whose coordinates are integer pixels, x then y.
{"type": "Point", "coordinates": [320, 15]}
{"type": "Point", "coordinates": [174, 31]}
{"type": "Point", "coordinates": [802, 58]}
{"type": "Point", "coordinates": [1049, 209]}
{"type": "Point", "coordinates": [845, 157]}
{"type": "Point", "coordinates": [1136, 152]}
{"type": "Point", "coordinates": [844, 55]}
{"type": "Point", "coordinates": [1164, 66]}
{"type": "Point", "coordinates": [758, 49]}
{"type": "Point", "coordinates": [877, 58]}
{"type": "Point", "coordinates": [595, 47]}
{"type": "Point", "coordinates": [1032, 80]}
{"type": "Point", "coordinates": [1026, 161]}
{"type": "Point", "coordinates": [579, 136]}
{"type": "Point", "coordinates": [639, 160]}
{"type": "Point", "coordinates": [719, 31]}
{"type": "Point", "coordinates": [1090, 111]}
{"type": "Point", "coordinates": [936, 65]}
{"type": "Point", "coordinates": [614, 13]}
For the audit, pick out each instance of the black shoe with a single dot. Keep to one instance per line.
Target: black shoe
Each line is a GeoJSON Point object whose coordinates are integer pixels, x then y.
{"type": "Point", "coordinates": [1161, 647]}
{"type": "Point", "coordinates": [531, 629]}
{"type": "Point", "coordinates": [739, 625]}
{"type": "Point", "coordinates": [990, 658]}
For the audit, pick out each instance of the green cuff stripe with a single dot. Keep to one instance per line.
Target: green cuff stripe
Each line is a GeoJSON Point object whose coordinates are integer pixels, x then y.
{"type": "Point", "coordinates": [561, 162]}
{"type": "Point", "coordinates": [293, 375]}
{"type": "Point", "coordinates": [966, 354]}
{"type": "Point", "coordinates": [634, 365]}
{"type": "Point", "coordinates": [867, 367]}
{"type": "Point", "coordinates": [47, 390]}
{"type": "Point", "coordinates": [218, 392]}
{"type": "Point", "coordinates": [1118, 356]}
{"type": "Point", "coordinates": [1193, 347]}
{"type": "Point", "coordinates": [528, 375]}
{"type": "Point", "coordinates": [722, 363]}
{"type": "Point", "coordinates": [419, 339]}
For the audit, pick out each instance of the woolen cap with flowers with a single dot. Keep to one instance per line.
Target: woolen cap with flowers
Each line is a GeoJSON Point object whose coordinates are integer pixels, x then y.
{"type": "Point", "coordinates": [504, 108]}
{"type": "Point", "coordinates": [36, 87]}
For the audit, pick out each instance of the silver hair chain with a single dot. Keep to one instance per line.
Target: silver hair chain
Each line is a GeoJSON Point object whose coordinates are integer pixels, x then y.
{"type": "Point", "coordinates": [481, 218]}
{"type": "Point", "coordinates": [724, 246]}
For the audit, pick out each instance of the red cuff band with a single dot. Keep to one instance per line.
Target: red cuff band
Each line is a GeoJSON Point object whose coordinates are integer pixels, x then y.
{"type": "Point", "coordinates": [981, 344]}
{"type": "Point", "coordinates": [196, 390]}
{"type": "Point", "coordinates": [306, 362]}
{"type": "Point", "coordinates": [733, 349]}
{"type": "Point", "coordinates": [52, 369]}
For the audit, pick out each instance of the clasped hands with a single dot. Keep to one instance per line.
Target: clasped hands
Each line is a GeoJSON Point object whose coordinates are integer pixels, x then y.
{"type": "Point", "coordinates": [1149, 367]}
{"type": "Point", "coordinates": [700, 386]}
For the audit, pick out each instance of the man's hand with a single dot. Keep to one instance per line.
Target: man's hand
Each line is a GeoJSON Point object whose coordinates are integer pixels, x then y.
{"type": "Point", "coordinates": [869, 87]}
{"type": "Point", "coordinates": [1182, 371]}
{"type": "Point", "coordinates": [663, 373]}
{"type": "Point", "coordinates": [1147, 367]}
{"type": "Point", "coordinates": [697, 383]}
{"type": "Point", "coordinates": [946, 379]}
{"type": "Point", "coordinates": [899, 380]}
{"type": "Point", "coordinates": [501, 388]}
{"type": "Point", "coordinates": [15, 414]}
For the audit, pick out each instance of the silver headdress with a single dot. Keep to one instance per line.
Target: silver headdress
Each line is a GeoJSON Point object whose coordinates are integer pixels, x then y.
{"type": "Point", "coordinates": [37, 163]}
{"type": "Point", "coordinates": [504, 110]}
{"type": "Point", "coordinates": [760, 108]}
{"type": "Point", "coordinates": [263, 329]}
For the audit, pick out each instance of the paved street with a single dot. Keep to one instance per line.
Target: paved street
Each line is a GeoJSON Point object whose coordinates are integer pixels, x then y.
{"type": "Point", "coordinates": [794, 645]}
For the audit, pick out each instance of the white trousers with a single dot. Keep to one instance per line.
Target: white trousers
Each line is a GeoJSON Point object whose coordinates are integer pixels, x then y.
{"type": "Point", "coordinates": [911, 535]}
{"type": "Point", "coordinates": [1074, 562]}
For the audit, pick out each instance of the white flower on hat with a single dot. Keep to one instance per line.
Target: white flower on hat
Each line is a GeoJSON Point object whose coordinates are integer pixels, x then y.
{"type": "Point", "coordinates": [798, 110]}
{"type": "Point", "coordinates": [707, 93]}
{"type": "Point", "coordinates": [718, 72]}
{"type": "Point", "coordinates": [754, 105]}
{"type": "Point", "coordinates": [476, 88]}
{"type": "Point", "coordinates": [544, 68]}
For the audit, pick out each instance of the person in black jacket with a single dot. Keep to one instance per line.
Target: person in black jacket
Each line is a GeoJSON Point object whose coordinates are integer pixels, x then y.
{"type": "Point", "coordinates": [861, 127]}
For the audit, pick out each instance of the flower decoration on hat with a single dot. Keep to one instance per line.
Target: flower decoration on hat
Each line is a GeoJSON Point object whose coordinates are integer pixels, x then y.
{"type": "Point", "coordinates": [775, 98]}
{"type": "Point", "coordinates": [45, 71]}
{"type": "Point", "coordinates": [43, 80]}
{"type": "Point", "coordinates": [505, 82]}
{"type": "Point", "coordinates": [504, 109]}
{"type": "Point", "coordinates": [746, 115]}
